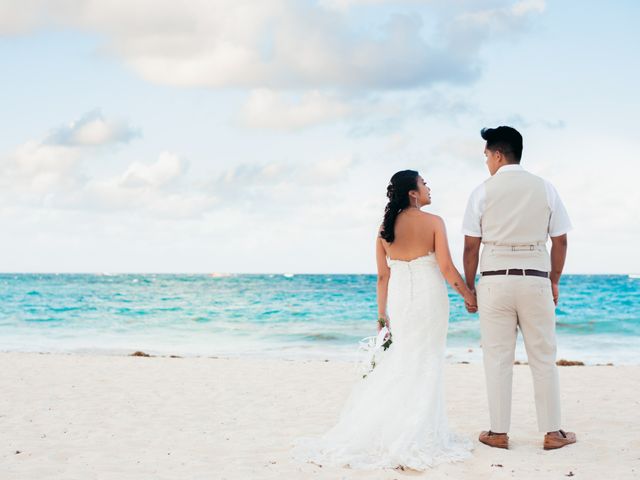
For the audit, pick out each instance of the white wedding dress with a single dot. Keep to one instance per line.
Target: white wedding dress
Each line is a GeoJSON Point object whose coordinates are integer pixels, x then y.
{"type": "Point", "coordinates": [396, 416]}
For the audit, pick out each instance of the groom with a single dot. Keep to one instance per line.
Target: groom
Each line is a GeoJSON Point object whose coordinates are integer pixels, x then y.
{"type": "Point", "coordinates": [512, 213]}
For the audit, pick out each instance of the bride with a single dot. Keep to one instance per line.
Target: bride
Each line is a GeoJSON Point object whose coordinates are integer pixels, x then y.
{"type": "Point", "coordinates": [396, 417]}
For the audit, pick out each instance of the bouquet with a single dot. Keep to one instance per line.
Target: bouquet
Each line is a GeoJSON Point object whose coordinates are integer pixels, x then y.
{"type": "Point", "coordinates": [374, 347]}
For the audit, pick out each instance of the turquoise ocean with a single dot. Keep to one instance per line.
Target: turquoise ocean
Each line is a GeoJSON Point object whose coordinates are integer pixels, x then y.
{"type": "Point", "coordinates": [284, 316]}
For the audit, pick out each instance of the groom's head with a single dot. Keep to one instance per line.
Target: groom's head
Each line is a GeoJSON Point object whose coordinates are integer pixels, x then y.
{"type": "Point", "coordinates": [503, 147]}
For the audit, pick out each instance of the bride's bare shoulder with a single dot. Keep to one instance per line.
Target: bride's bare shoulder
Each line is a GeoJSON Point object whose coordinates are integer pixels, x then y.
{"type": "Point", "coordinates": [432, 219]}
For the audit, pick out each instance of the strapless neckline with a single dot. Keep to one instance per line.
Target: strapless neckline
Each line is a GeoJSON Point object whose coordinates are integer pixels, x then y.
{"type": "Point", "coordinates": [430, 254]}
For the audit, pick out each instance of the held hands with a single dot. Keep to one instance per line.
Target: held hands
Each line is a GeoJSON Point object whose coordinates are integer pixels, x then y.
{"type": "Point", "coordinates": [471, 302]}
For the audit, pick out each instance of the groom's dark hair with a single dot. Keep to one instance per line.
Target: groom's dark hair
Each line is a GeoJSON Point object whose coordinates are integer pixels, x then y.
{"type": "Point", "coordinates": [506, 140]}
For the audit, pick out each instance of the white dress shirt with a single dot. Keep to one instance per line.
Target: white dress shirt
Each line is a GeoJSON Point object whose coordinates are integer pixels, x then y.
{"type": "Point", "coordinates": [559, 222]}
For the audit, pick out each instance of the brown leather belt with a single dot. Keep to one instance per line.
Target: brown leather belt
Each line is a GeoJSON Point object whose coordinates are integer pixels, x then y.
{"type": "Point", "coordinates": [517, 271]}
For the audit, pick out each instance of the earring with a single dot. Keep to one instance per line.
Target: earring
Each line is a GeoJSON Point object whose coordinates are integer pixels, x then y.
{"type": "Point", "coordinates": [417, 202]}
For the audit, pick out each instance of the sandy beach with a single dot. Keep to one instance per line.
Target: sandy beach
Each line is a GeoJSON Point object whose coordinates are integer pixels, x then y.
{"type": "Point", "coordinates": [121, 417]}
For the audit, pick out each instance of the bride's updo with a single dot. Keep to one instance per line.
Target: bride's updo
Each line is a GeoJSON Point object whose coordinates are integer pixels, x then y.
{"type": "Point", "coordinates": [398, 194]}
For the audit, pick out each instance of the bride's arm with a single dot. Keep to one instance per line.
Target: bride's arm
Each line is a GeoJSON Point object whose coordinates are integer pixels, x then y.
{"type": "Point", "coordinates": [383, 282]}
{"type": "Point", "coordinates": [448, 269]}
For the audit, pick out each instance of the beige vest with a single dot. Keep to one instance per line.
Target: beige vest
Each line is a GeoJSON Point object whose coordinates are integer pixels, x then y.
{"type": "Point", "coordinates": [515, 222]}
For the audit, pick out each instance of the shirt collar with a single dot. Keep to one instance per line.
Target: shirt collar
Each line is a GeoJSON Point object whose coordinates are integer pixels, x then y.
{"type": "Point", "coordinates": [510, 168]}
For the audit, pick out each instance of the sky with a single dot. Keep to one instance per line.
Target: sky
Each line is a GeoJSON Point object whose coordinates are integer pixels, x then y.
{"type": "Point", "coordinates": [259, 137]}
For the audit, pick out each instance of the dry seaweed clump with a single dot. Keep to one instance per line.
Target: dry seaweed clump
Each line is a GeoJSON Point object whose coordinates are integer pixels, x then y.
{"type": "Point", "coordinates": [139, 354]}
{"type": "Point", "coordinates": [569, 363]}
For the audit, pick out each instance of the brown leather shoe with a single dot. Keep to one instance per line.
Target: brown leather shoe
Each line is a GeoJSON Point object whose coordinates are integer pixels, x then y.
{"type": "Point", "coordinates": [497, 440]}
{"type": "Point", "coordinates": [558, 439]}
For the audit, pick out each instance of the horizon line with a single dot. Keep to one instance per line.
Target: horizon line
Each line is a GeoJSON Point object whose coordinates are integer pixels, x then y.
{"type": "Point", "coordinates": [222, 274]}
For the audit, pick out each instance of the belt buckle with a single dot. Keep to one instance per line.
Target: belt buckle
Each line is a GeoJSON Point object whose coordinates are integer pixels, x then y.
{"type": "Point", "coordinates": [522, 248]}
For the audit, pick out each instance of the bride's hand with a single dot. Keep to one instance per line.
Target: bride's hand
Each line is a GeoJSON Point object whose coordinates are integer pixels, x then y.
{"type": "Point", "coordinates": [384, 319]}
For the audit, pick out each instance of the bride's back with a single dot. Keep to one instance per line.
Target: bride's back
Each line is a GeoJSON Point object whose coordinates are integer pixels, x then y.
{"type": "Point", "coordinates": [414, 236]}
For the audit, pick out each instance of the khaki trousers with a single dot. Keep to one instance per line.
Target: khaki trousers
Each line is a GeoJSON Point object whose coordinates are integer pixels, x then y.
{"type": "Point", "coordinates": [504, 304]}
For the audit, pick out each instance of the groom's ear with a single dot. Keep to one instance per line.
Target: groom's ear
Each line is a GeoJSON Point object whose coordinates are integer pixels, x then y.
{"type": "Point", "coordinates": [500, 156]}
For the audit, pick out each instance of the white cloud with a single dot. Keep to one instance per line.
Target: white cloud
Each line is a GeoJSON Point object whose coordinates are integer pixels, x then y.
{"type": "Point", "coordinates": [167, 168]}
{"type": "Point", "coordinates": [158, 188]}
{"type": "Point", "coordinates": [282, 43]}
{"type": "Point", "coordinates": [18, 17]}
{"type": "Point", "coordinates": [33, 158]}
{"type": "Point", "coordinates": [92, 129]}
{"type": "Point", "coordinates": [38, 169]}
{"type": "Point", "coordinates": [35, 169]}
{"type": "Point", "coordinates": [271, 109]}
{"type": "Point", "coordinates": [56, 173]}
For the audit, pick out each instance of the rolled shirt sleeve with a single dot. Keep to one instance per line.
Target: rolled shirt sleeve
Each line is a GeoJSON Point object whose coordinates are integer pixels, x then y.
{"type": "Point", "coordinates": [471, 223]}
{"type": "Point", "coordinates": [559, 222]}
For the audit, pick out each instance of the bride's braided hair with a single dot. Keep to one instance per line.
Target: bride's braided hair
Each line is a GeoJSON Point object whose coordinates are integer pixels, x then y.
{"type": "Point", "coordinates": [398, 194]}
